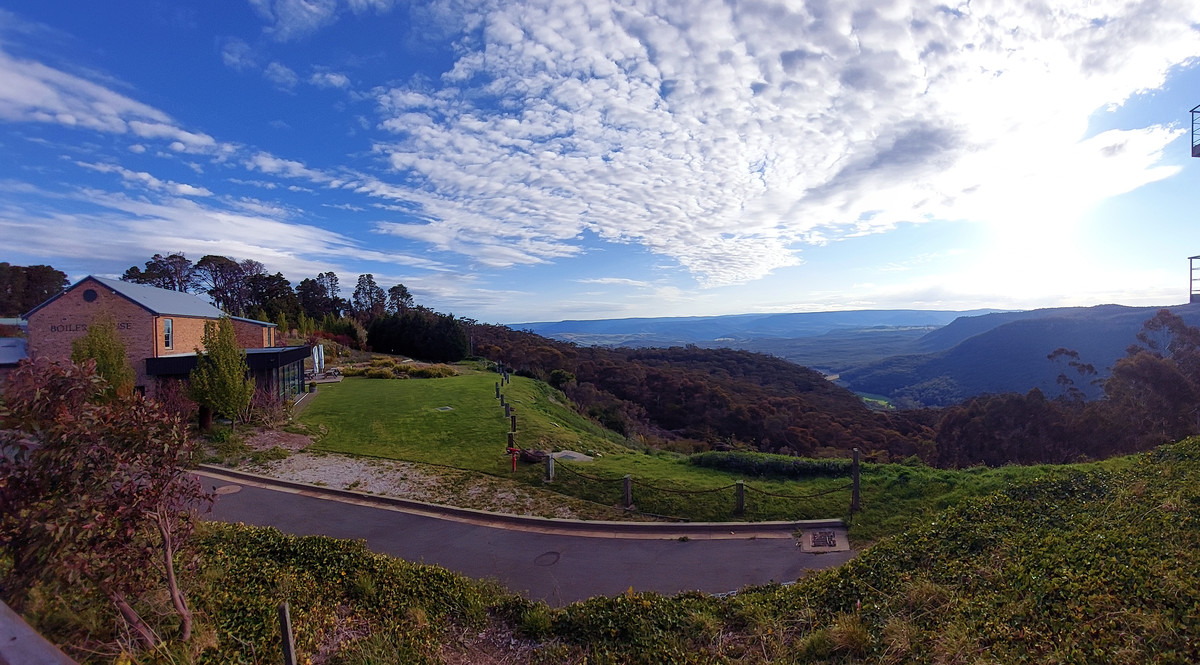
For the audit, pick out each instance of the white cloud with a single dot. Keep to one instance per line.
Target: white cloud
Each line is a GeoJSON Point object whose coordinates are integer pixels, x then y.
{"type": "Point", "coordinates": [281, 75]}
{"type": "Point", "coordinates": [239, 55]}
{"type": "Point", "coordinates": [618, 281]}
{"type": "Point", "coordinates": [135, 228]}
{"type": "Point", "coordinates": [268, 163]}
{"type": "Point", "coordinates": [33, 92]}
{"type": "Point", "coordinates": [727, 136]}
{"type": "Point", "coordinates": [295, 19]}
{"type": "Point", "coordinates": [329, 80]}
{"type": "Point", "coordinates": [144, 179]}
{"type": "Point", "coordinates": [181, 140]}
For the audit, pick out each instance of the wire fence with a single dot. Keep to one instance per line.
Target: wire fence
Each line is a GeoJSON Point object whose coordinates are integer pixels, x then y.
{"type": "Point", "coordinates": [653, 492]}
{"type": "Point", "coordinates": [739, 488]}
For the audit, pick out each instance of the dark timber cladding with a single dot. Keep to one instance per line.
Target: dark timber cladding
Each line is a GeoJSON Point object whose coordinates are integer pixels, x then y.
{"type": "Point", "coordinates": [281, 368]}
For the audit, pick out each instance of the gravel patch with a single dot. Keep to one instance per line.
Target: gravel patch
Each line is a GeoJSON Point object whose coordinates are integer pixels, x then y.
{"type": "Point", "coordinates": [418, 482]}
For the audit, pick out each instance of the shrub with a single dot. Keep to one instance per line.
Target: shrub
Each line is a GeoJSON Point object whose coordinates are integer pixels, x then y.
{"type": "Point", "coordinates": [428, 371]}
{"type": "Point", "coordinates": [269, 409]}
{"type": "Point", "coordinates": [763, 464]}
{"type": "Point", "coordinates": [172, 395]}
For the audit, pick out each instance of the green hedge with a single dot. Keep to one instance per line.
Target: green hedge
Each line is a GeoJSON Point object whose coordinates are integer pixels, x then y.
{"type": "Point", "coordinates": [763, 464]}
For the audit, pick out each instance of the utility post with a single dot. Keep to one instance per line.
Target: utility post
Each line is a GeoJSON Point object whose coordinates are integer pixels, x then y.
{"type": "Point", "coordinates": [855, 504]}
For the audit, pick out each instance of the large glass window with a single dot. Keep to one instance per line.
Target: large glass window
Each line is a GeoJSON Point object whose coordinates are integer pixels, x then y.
{"type": "Point", "coordinates": [167, 333]}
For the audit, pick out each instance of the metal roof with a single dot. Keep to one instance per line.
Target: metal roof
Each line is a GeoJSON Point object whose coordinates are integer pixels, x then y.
{"type": "Point", "coordinates": [157, 301]}
{"type": "Point", "coordinates": [162, 301]}
{"type": "Point", "coordinates": [12, 350]}
{"type": "Point", "coordinates": [261, 323]}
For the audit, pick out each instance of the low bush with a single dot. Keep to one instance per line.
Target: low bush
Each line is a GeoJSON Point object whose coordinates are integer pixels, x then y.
{"type": "Point", "coordinates": [428, 371]}
{"type": "Point", "coordinates": [780, 466]}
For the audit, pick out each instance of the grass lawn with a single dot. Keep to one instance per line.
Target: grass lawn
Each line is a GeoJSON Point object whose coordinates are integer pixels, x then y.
{"type": "Point", "coordinates": [406, 420]}
{"type": "Point", "coordinates": [455, 421]}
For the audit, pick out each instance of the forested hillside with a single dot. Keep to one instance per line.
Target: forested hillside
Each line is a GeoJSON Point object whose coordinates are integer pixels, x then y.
{"type": "Point", "coordinates": [694, 398]}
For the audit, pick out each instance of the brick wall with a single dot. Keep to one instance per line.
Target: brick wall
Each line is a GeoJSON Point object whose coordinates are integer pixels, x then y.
{"type": "Point", "coordinates": [187, 335]}
{"type": "Point", "coordinates": [55, 326]}
{"type": "Point", "coordinates": [252, 335]}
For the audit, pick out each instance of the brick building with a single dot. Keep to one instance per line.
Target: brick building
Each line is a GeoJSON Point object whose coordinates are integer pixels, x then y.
{"type": "Point", "coordinates": [161, 330]}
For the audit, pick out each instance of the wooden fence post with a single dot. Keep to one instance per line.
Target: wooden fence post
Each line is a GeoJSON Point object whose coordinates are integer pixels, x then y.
{"type": "Point", "coordinates": [497, 390]}
{"type": "Point", "coordinates": [855, 504]}
{"type": "Point", "coordinates": [514, 422]}
{"type": "Point", "coordinates": [741, 498]}
{"type": "Point", "coordinates": [549, 468]}
{"type": "Point", "coordinates": [285, 634]}
{"type": "Point", "coordinates": [628, 491]}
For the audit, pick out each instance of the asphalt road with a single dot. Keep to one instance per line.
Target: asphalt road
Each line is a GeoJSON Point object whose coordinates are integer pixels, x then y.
{"type": "Point", "coordinates": [557, 568]}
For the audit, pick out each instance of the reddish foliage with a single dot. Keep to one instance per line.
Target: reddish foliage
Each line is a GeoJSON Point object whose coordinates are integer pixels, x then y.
{"type": "Point", "coordinates": [96, 492]}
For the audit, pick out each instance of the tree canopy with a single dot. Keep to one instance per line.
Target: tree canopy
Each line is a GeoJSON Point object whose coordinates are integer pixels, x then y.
{"type": "Point", "coordinates": [24, 287]}
{"type": "Point", "coordinates": [103, 345]}
{"type": "Point", "coordinates": [220, 381]}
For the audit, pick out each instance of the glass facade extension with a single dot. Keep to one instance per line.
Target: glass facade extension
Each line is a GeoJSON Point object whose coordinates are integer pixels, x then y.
{"type": "Point", "coordinates": [278, 369]}
{"type": "Point", "coordinates": [286, 380]}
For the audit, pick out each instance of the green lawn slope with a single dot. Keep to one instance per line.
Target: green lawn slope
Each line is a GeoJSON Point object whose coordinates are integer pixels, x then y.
{"type": "Point", "coordinates": [455, 421]}
{"type": "Point", "coordinates": [458, 422]}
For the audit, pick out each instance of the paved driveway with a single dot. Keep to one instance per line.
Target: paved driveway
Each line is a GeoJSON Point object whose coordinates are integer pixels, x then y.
{"type": "Point", "coordinates": [559, 568]}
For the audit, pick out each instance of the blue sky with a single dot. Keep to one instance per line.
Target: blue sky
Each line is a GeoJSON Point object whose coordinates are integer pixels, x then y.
{"type": "Point", "coordinates": [591, 159]}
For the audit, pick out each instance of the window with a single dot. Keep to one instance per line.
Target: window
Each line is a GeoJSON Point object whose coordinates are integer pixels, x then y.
{"type": "Point", "coordinates": [167, 333]}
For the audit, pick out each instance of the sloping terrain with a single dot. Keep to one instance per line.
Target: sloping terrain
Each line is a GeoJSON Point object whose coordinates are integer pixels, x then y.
{"type": "Point", "coordinates": [1084, 567]}
{"type": "Point", "coordinates": [1006, 352]}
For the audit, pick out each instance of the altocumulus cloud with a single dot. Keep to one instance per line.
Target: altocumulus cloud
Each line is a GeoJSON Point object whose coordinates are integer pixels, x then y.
{"type": "Point", "coordinates": [728, 135]}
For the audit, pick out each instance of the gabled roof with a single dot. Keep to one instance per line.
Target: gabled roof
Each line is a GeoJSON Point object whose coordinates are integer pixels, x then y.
{"type": "Point", "coordinates": [162, 302]}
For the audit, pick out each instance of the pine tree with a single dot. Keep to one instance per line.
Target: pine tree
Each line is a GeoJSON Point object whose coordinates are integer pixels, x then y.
{"type": "Point", "coordinates": [102, 344]}
{"type": "Point", "coordinates": [281, 326]}
{"type": "Point", "coordinates": [219, 383]}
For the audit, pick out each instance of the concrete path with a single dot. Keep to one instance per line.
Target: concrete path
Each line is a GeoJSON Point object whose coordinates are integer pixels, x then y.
{"type": "Point", "coordinates": [551, 564]}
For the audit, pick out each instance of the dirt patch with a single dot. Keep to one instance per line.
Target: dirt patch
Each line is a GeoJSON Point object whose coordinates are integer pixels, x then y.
{"type": "Point", "coordinates": [418, 482]}
{"type": "Point", "coordinates": [267, 439]}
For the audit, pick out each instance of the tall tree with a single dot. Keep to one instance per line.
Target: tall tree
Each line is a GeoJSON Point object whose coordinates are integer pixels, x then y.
{"type": "Point", "coordinates": [219, 383]}
{"type": "Point", "coordinates": [174, 272]}
{"type": "Point", "coordinates": [24, 287]}
{"type": "Point", "coordinates": [399, 299]}
{"type": "Point", "coordinates": [272, 294]}
{"type": "Point", "coordinates": [369, 300]}
{"type": "Point", "coordinates": [311, 295]}
{"type": "Point", "coordinates": [103, 345]}
{"type": "Point", "coordinates": [223, 280]}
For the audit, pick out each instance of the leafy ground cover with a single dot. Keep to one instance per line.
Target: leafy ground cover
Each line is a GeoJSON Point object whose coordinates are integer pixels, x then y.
{"type": "Point", "coordinates": [1095, 566]}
